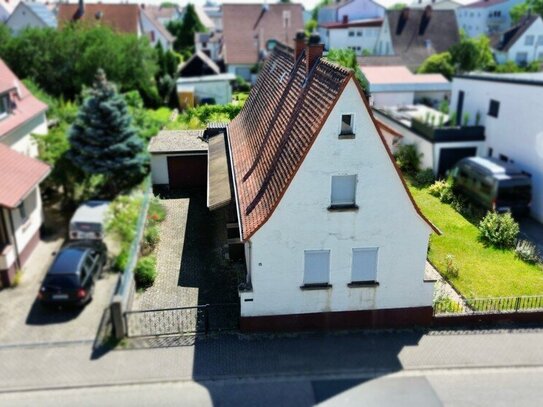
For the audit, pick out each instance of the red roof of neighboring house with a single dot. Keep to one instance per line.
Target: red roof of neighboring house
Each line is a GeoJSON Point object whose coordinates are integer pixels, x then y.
{"type": "Point", "coordinates": [374, 22]}
{"type": "Point", "coordinates": [243, 24]}
{"type": "Point", "coordinates": [20, 175]}
{"type": "Point", "coordinates": [276, 128]}
{"type": "Point", "coordinates": [120, 17]}
{"type": "Point", "coordinates": [398, 74]}
{"type": "Point", "coordinates": [25, 105]}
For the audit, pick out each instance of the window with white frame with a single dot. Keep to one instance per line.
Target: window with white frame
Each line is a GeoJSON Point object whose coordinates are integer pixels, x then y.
{"type": "Point", "coordinates": [364, 265]}
{"type": "Point", "coordinates": [343, 190]}
{"type": "Point", "coordinates": [316, 267]}
{"type": "Point", "coordinates": [540, 40]}
{"type": "Point", "coordinates": [359, 33]}
{"type": "Point", "coordinates": [521, 58]}
{"type": "Point", "coordinates": [540, 56]}
{"type": "Point", "coordinates": [351, 33]}
{"type": "Point", "coordinates": [529, 40]}
{"type": "Point", "coordinates": [347, 124]}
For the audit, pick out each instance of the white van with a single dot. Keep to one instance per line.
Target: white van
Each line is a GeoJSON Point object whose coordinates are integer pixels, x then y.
{"type": "Point", "coordinates": [89, 220]}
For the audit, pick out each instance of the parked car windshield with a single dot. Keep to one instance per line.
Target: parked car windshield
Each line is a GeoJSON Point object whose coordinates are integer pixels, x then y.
{"type": "Point", "coordinates": [66, 281]}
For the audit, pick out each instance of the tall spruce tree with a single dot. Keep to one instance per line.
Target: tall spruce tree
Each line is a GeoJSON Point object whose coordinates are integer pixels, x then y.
{"type": "Point", "coordinates": [103, 141]}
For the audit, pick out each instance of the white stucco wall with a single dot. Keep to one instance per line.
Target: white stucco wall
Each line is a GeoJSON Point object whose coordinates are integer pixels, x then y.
{"type": "Point", "coordinates": [243, 70]}
{"type": "Point", "coordinates": [384, 41]}
{"type": "Point", "coordinates": [364, 38]}
{"type": "Point", "coordinates": [533, 52]}
{"type": "Point", "coordinates": [385, 219]}
{"type": "Point", "coordinates": [148, 26]}
{"type": "Point", "coordinates": [159, 169]}
{"type": "Point", "coordinates": [21, 140]}
{"type": "Point", "coordinates": [21, 18]}
{"type": "Point", "coordinates": [381, 99]}
{"type": "Point", "coordinates": [517, 132]}
{"type": "Point", "coordinates": [360, 9]}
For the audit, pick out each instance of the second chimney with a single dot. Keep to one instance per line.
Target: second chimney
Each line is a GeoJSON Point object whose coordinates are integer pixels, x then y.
{"type": "Point", "coordinates": [299, 44]}
{"type": "Point", "coordinates": [345, 19]}
{"type": "Point", "coordinates": [314, 51]}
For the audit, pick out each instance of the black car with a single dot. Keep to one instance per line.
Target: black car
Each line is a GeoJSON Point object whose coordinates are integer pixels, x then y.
{"type": "Point", "coordinates": [70, 279]}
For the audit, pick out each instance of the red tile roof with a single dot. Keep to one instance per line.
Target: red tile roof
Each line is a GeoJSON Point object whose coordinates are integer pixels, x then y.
{"type": "Point", "coordinates": [275, 130]}
{"type": "Point", "coordinates": [25, 105]}
{"type": "Point", "coordinates": [398, 74]}
{"type": "Point", "coordinates": [20, 175]}
{"type": "Point", "coordinates": [374, 22]}
{"type": "Point", "coordinates": [242, 22]}
{"type": "Point", "coordinates": [120, 17]}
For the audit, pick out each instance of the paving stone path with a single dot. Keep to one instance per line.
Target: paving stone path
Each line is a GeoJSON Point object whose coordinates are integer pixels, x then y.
{"type": "Point", "coordinates": [166, 292]}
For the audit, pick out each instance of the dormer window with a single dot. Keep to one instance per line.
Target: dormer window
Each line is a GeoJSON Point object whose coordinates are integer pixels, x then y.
{"type": "Point", "coordinates": [347, 126]}
{"type": "Point", "coordinates": [5, 107]}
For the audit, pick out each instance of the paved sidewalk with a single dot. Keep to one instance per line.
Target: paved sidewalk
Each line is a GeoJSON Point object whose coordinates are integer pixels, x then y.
{"type": "Point", "coordinates": [166, 292]}
{"type": "Point", "coordinates": [263, 356]}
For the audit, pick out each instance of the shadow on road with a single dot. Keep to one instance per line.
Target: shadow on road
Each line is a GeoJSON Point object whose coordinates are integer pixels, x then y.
{"type": "Point", "coordinates": [42, 315]}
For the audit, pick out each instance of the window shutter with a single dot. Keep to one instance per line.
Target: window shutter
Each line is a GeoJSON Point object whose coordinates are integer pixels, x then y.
{"type": "Point", "coordinates": [317, 266]}
{"type": "Point", "coordinates": [343, 189]}
{"type": "Point", "coordinates": [364, 266]}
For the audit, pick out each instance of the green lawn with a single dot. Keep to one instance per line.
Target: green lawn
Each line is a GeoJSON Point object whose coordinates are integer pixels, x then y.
{"type": "Point", "coordinates": [484, 272]}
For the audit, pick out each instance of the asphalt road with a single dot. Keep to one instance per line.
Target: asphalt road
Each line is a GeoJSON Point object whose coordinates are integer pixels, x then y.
{"type": "Point", "coordinates": [452, 387]}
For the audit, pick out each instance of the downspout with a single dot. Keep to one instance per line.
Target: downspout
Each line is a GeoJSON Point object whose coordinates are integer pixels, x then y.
{"type": "Point", "coordinates": [248, 263]}
{"type": "Point", "coordinates": [16, 247]}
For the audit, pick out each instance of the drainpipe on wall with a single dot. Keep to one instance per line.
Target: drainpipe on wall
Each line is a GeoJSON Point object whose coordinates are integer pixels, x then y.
{"type": "Point", "coordinates": [248, 260]}
{"type": "Point", "coordinates": [17, 258]}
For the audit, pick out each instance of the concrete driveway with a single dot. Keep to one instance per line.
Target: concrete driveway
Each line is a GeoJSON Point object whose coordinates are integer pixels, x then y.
{"type": "Point", "coordinates": [24, 321]}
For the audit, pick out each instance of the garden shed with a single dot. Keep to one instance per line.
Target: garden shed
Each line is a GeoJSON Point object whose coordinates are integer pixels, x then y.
{"type": "Point", "coordinates": [179, 158]}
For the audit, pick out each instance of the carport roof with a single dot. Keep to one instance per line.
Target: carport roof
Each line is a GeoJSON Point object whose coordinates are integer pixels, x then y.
{"type": "Point", "coordinates": [178, 141]}
{"type": "Point", "coordinates": [218, 180]}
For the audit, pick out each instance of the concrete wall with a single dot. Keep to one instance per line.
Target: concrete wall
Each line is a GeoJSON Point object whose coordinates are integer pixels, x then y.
{"type": "Point", "coordinates": [385, 219]}
{"type": "Point", "coordinates": [381, 99]}
{"type": "Point", "coordinates": [159, 169]}
{"type": "Point", "coordinates": [517, 132]}
{"type": "Point", "coordinates": [21, 140]}
{"type": "Point", "coordinates": [21, 18]}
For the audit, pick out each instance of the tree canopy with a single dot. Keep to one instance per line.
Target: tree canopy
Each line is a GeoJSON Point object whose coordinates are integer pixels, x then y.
{"type": "Point", "coordinates": [438, 63]}
{"type": "Point", "coordinates": [62, 61]}
{"type": "Point", "coordinates": [184, 31]}
{"type": "Point", "coordinates": [103, 140]}
{"type": "Point", "coordinates": [518, 11]}
{"type": "Point", "coordinates": [347, 58]}
{"type": "Point", "coordinates": [472, 54]}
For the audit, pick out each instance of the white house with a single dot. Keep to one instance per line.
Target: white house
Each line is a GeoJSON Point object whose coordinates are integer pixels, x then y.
{"type": "Point", "coordinates": [486, 16]}
{"type": "Point", "coordinates": [522, 43]}
{"type": "Point", "coordinates": [20, 203]}
{"type": "Point", "coordinates": [30, 14]}
{"type": "Point", "coordinates": [351, 10]}
{"type": "Point", "coordinates": [358, 35]}
{"type": "Point", "coordinates": [6, 8]}
{"type": "Point", "coordinates": [207, 88]}
{"type": "Point", "coordinates": [441, 4]}
{"type": "Point", "coordinates": [396, 85]}
{"type": "Point", "coordinates": [331, 234]}
{"type": "Point", "coordinates": [509, 106]}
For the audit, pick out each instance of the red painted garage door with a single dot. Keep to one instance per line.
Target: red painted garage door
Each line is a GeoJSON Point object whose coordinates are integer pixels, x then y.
{"type": "Point", "coordinates": [187, 171]}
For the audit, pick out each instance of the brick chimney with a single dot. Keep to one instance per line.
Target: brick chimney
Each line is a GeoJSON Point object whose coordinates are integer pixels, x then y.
{"type": "Point", "coordinates": [299, 44]}
{"type": "Point", "coordinates": [314, 51]}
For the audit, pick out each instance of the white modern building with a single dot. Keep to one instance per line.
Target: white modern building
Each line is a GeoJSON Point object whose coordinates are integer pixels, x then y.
{"type": "Point", "coordinates": [21, 116]}
{"type": "Point", "coordinates": [486, 16]}
{"type": "Point", "coordinates": [358, 35]}
{"type": "Point", "coordinates": [216, 89]}
{"type": "Point", "coordinates": [30, 14]}
{"type": "Point", "coordinates": [332, 237]}
{"type": "Point", "coordinates": [509, 107]}
{"type": "Point", "coordinates": [396, 85]}
{"type": "Point", "coordinates": [522, 43]}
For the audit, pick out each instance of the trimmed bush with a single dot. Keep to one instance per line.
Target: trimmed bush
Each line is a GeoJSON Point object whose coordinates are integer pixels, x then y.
{"type": "Point", "coordinates": [408, 158]}
{"type": "Point", "coordinates": [527, 252]}
{"type": "Point", "coordinates": [151, 238]}
{"type": "Point", "coordinates": [425, 178]}
{"type": "Point", "coordinates": [443, 190]}
{"type": "Point", "coordinates": [156, 213]}
{"type": "Point", "coordinates": [452, 270]}
{"type": "Point", "coordinates": [498, 230]}
{"type": "Point", "coordinates": [145, 272]}
{"type": "Point", "coordinates": [120, 262]}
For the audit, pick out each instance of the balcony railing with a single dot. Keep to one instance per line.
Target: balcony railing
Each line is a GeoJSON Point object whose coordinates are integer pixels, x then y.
{"type": "Point", "coordinates": [448, 133]}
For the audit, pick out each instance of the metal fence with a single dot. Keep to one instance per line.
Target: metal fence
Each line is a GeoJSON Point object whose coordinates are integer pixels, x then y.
{"type": "Point", "coordinates": [182, 320]}
{"type": "Point", "coordinates": [497, 305]}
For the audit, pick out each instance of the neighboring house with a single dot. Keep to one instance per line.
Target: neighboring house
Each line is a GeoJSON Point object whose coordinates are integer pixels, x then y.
{"type": "Point", "coordinates": [509, 107]}
{"type": "Point", "coordinates": [21, 115]}
{"type": "Point", "coordinates": [209, 43]}
{"type": "Point", "coordinates": [352, 10]}
{"type": "Point", "coordinates": [6, 8]}
{"type": "Point", "coordinates": [486, 16]}
{"type": "Point", "coordinates": [163, 14]}
{"type": "Point", "coordinates": [205, 89]}
{"type": "Point", "coordinates": [27, 14]}
{"type": "Point", "coordinates": [414, 35]}
{"type": "Point", "coordinates": [215, 14]}
{"type": "Point", "coordinates": [441, 4]}
{"type": "Point", "coordinates": [523, 43]}
{"type": "Point", "coordinates": [199, 64]}
{"type": "Point", "coordinates": [396, 85]}
{"type": "Point", "coordinates": [202, 16]}
{"type": "Point", "coordinates": [123, 18]}
{"type": "Point", "coordinates": [332, 237]}
{"type": "Point", "coordinates": [441, 145]}
{"type": "Point", "coordinates": [247, 40]}
{"type": "Point", "coordinates": [358, 35]}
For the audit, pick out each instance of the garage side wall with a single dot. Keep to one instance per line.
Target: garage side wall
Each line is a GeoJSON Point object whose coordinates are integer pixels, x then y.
{"type": "Point", "coordinates": [159, 169]}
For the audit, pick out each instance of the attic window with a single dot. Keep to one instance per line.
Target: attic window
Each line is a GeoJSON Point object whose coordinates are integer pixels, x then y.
{"type": "Point", "coordinates": [4, 106]}
{"type": "Point", "coordinates": [347, 125]}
